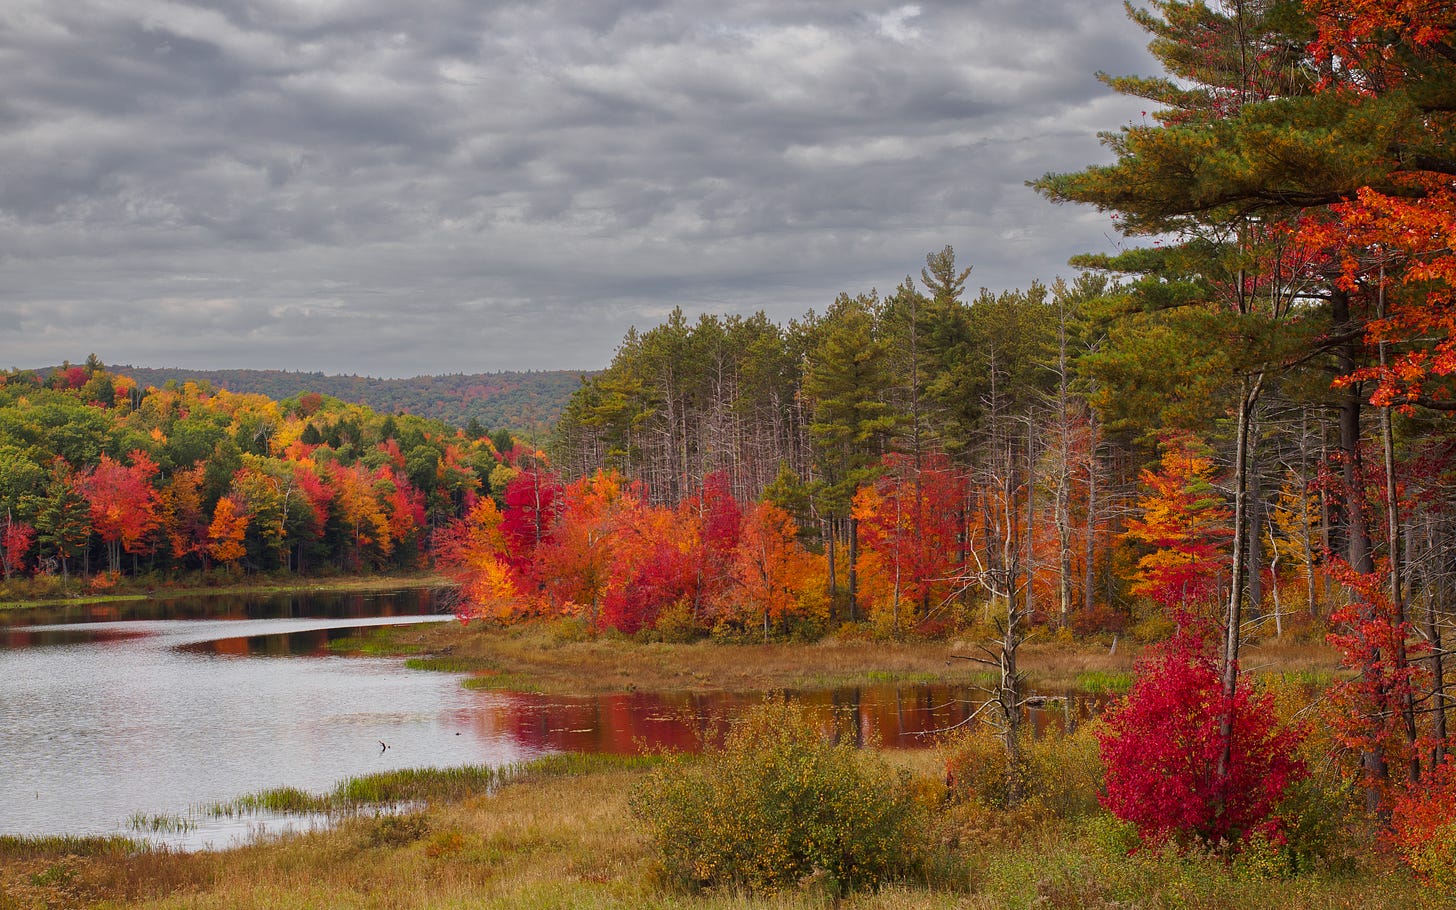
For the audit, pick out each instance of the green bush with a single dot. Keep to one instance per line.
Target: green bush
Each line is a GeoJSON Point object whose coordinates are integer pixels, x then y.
{"type": "Point", "coordinates": [676, 624]}
{"type": "Point", "coordinates": [777, 806]}
{"type": "Point", "coordinates": [569, 630]}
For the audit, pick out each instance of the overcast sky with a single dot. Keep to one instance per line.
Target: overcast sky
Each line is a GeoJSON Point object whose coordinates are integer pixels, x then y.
{"type": "Point", "coordinates": [396, 188]}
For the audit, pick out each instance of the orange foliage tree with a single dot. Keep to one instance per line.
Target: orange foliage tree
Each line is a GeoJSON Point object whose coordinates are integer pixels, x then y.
{"type": "Point", "coordinates": [359, 509]}
{"type": "Point", "coordinates": [225, 534]}
{"type": "Point", "coordinates": [1184, 522]}
{"type": "Point", "coordinates": [575, 564]}
{"type": "Point", "coordinates": [472, 551]}
{"type": "Point", "coordinates": [184, 519]}
{"type": "Point", "coordinates": [773, 576]}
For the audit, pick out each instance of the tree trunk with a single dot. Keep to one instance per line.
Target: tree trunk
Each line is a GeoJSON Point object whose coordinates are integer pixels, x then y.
{"type": "Point", "coordinates": [829, 555]}
{"type": "Point", "coordinates": [1027, 597]}
{"type": "Point", "coordinates": [1356, 529]}
{"type": "Point", "coordinates": [1435, 590]}
{"type": "Point", "coordinates": [1089, 548]}
{"type": "Point", "coordinates": [1253, 532]}
{"type": "Point", "coordinates": [1393, 541]}
{"type": "Point", "coordinates": [1249, 389]}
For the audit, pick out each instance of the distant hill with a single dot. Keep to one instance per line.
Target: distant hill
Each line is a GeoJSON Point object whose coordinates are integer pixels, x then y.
{"type": "Point", "coordinates": [521, 401]}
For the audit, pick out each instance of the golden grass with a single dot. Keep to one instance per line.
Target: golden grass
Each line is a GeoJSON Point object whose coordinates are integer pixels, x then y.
{"type": "Point", "coordinates": [531, 656]}
{"type": "Point", "coordinates": [1291, 655]}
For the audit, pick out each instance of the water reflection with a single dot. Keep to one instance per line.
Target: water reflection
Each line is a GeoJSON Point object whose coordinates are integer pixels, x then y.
{"type": "Point", "coordinates": [899, 717]}
{"type": "Point", "coordinates": [306, 643]}
{"type": "Point", "coordinates": [13, 638]}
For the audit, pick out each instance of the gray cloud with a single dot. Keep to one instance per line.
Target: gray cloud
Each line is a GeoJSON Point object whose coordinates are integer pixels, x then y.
{"type": "Point", "coordinates": [384, 188]}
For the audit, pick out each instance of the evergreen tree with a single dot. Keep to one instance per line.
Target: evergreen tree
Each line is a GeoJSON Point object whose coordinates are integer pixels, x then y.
{"type": "Point", "coordinates": [63, 524]}
{"type": "Point", "coordinates": [845, 382]}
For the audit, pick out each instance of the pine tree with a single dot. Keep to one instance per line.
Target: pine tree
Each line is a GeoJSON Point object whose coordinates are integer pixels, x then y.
{"type": "Point", "coordinates": [845, 383]}
{"type": "Point", "coordinates": [63, 524]}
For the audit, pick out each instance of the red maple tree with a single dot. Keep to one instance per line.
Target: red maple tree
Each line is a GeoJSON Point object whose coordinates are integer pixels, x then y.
{"type": "Point", "coordinates": [123, 504]}
{"type": "Point", "coordinates": [16, 539]}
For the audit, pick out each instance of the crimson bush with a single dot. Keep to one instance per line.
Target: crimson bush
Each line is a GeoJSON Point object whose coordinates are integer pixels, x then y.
{"type": "Point", "coordinates": [1161, 749]}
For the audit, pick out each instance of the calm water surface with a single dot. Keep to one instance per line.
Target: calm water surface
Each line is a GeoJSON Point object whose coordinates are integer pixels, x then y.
{"type": "Point", "coordinates": [155, 709]}
{"type": "Point", "coordinates": [159, 707]}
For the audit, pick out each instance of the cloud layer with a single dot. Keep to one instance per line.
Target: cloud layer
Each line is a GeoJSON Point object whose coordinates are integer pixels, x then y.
{"type": "Point", "coordinates": [391, 189]}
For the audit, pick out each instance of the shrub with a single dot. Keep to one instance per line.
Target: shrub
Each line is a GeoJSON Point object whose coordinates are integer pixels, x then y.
{"type": "Point", "coordinates": [1060, 772]}
{"type": "Point", "coordinates": [1151, 625]}
{"type": "Point", "coordinates": [1423, 828]}
{"type": "Point", "coordinates": [568, 630]}
{"type": "Point", "coordinates": [976, 767]}
{"type": "Point", "coordinates": [777, 806]}
{"type": "Point", "coordinates": [102, 582]}
{"type": "Point", "coordinates": [677, 625]}
{"type": "Point", "coordinates": [1162, 745]}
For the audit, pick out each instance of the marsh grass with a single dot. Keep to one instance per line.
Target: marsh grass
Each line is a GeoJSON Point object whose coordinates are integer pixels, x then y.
{"type": "Point", "coordinates": [911, 677]}
{"type": "Point", "coordinates": [448, 664]}
{"type": "Point", "coordinates": [506, 682]}
{"type": "Point", "coordinates": [160, 823]}
{"type": "Point", "coordinates": [279, 800]}
{"type": "Point", "coordinates": [379, 641]}
{"type": "Point", "coordinates": [18, 847]}
{"type": "Point", "coordinates": [1103, 682]}
{"type": "Point", "coordinates": [1292, 655]}
{"type": "Point", "coordinates": [404, 788]}
{"type": "Point", "coordinates": [487, 674]}
{"type": "Point", "coordinates": [413, 785]}
{"type": "Point", "coordinates": [538, 657]}
{"type": "Point", "coordinates": [1311, 678]}
{"type": "Point", "coordinates": [577, 764]}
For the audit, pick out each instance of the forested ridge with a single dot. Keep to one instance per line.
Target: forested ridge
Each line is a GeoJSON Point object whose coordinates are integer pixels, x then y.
{"type": "Point", "coordinates": [102, 479]}
{"type": "Point", "coordinates": [525, 401]}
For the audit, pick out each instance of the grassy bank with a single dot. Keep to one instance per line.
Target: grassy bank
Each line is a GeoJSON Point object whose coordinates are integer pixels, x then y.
{"type": "Point", "coordinates": [562, 835]}
{"type": "Point", "coordinates": [23, 595]}
{"type": "Point", "coordinates": [552, 659]}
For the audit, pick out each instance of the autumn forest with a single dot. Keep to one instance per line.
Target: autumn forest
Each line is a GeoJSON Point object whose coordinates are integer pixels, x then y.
{"type": "Point", "coordinates": [1235, 429]}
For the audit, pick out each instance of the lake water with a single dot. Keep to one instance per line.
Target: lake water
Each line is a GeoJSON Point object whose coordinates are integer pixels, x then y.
{"type": "Point", "coordinates": [158, 707]}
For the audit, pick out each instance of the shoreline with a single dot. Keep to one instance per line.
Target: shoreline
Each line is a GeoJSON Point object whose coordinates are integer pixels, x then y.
{"type": "Point", "coordinates": [263, 586]}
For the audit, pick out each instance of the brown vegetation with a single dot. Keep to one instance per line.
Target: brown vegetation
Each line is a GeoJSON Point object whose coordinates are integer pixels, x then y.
{"type": "Point", "coordinates": [561, 658]}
